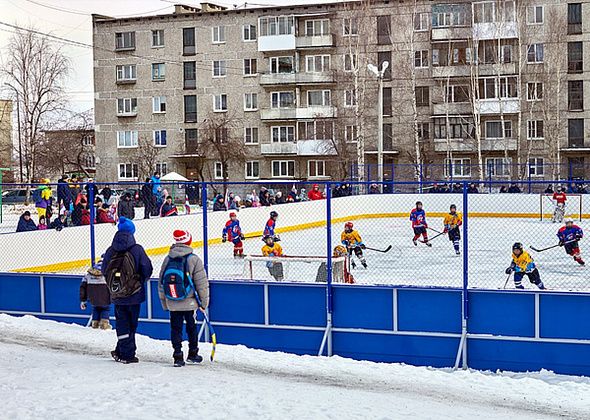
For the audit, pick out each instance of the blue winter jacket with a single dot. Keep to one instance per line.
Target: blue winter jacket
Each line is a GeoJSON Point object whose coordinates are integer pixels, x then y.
{"type": "Point", "coordinates": [125, 241]}
{"type": "Point", "coordinates": [25, 226]}
{"type": "Point", "coordinates": [63, 192]}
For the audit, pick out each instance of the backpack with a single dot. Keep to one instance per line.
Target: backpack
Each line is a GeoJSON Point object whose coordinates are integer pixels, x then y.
{"type": "Point", "coordinates": [121, 277]}
{"type": "Point", "coordinates": [37, 195]}
{"type": "Point", "coordinates": [176, 281]}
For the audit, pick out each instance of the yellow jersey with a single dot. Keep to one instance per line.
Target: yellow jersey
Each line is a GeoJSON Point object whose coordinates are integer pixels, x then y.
{"type": "Point", "coordinates": [524, 262]}
{"type": "Point", "coordinates": [275, 251]}
{"type": "Point", "coordinates": [351, 238]}
{"type": "Point", "coordinates": [451, 221]}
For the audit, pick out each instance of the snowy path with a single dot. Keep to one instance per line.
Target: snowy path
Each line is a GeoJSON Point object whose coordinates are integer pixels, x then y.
{"type": "Point", "coordinates": [63, 372]}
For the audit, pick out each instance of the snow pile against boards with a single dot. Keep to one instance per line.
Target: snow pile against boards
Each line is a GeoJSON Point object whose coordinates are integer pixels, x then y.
{"type": "Point", "coordinates": [70, 364]}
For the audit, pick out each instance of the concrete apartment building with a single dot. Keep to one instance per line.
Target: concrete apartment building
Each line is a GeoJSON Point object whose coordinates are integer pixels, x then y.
{"type": "Point", "coordinates": [6, 134]}
{"type": "Point", "coordinates": [474, 88]}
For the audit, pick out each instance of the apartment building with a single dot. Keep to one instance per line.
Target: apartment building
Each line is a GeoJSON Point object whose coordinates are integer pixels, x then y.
{"type": "Point", "coordinates": [487, 87]}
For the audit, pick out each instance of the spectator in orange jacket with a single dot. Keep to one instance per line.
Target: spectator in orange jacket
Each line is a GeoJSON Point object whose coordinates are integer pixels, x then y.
{"type": "Point", "coordinates": [315, 193]}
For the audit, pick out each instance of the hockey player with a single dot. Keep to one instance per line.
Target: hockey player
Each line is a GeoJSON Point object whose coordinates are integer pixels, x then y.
{"type": "Point", "coordinates": [569, 235]}
{"type": "Point", "coordinates": [352, 241]}
{"type": "Point", "coordinates": [269, 228]}
{"type": "Point", "coordinates": [452, 221]}
{"type": "Point", "coordinates": [523, 264]}
{"type": "Point", "coordinates": [418, 219]}
{"type": "Point", "coordinates": [233, 233]}
{"type": "Point", "coordinates": [340, 271]}
{"type": "Point", "coordinates": [560, 198]}
{"type": "Point", "coordinates": [273, 249]}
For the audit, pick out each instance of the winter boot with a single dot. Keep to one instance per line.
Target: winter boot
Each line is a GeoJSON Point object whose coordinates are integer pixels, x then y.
{"type": "Point", "coordinates": [194, 357]}
{"type": "Point", "coordinates": [364, 263]}
{"type": "Point", "coordinates": [94, 324]}
{"type": "Point", "coordinates": [104, 324]}
{"type": "Point", "coordinates": [520, 286]}
{"type": "Point", "coordinates": [178, 359]}
{"type": "Point", "coordinates": [118, 358]}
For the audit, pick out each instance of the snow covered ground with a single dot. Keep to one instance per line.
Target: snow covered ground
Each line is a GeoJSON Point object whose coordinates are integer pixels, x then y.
{"type": "Point", "coordinates": [55, 370]}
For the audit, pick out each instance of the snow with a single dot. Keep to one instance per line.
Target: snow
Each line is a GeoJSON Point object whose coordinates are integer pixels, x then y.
{"type": "Point", "coordinates": [57, 370]}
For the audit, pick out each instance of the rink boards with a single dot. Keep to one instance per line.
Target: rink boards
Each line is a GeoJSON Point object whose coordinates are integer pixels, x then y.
{"type": "Point", "coordinates": [516, 331]}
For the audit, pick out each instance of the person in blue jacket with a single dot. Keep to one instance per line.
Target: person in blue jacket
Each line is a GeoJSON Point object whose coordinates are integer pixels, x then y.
{"type": "Point", "coordinates": [25, 223]}
{"type": "Point", "coordinates": [127, 309]}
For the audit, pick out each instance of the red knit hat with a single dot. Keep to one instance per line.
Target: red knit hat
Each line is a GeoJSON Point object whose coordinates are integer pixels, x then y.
{"type": "Point", "coordinates": [183, 237]}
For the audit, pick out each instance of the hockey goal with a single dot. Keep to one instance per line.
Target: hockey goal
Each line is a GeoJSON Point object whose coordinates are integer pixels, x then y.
{"type": "Point", "coordinates": [573, 206]}
{"type": "Point", "coordinates": [306, 269]}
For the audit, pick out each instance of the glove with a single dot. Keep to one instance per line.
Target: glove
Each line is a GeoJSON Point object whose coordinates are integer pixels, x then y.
{"type": "Point", "coordinates": [363, 246]}
{"type": "Point", "coordinates": [242, 237]}
{"type": "Point", "coordinates": [509, 270]}
{"type": "Point", "coordinates": [345, 243]}
{"type": "Point", "coordinates": [224, 238]}
{"type": "Point", "coordinates": [59, 229]}
{"type": "Point", "coordinates": [578, 236]}
{"type": "Point", "coordinates": [561, 243]}
{"type": "Point", "coordinates": [277, 238]}
{"type": "Point", "coordinates": [83, 306]}
{"type": "Point", "coordinates": [445, 230]}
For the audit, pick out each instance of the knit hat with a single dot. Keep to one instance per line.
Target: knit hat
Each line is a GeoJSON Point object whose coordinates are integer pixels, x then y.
{"type": "Point", "coordinates": [126, 225]}
{"type": "Point", "coordinates": [182, 237]}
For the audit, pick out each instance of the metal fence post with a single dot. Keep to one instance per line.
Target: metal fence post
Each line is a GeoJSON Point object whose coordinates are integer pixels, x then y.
{"type": "Point", "coordinates": [327, 339]}
{"type": "Point", "coordinates": [205, 232]}
{"type": "Point", "coordinates": [92, 209]}
{"type": "Point", "coordinates": [393, 178]}
{"type": "Point", "coordinates": [462, 351]}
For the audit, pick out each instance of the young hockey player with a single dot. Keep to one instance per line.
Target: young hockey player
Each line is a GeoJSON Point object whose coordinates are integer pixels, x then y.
{"type": "Point", "coordinates": [560, 198]}
{"type": "Point", "coordinates": [233, 233]}
{"type": "Point", "coordinates": [340, 271]}
{"type": "Point", "coordinates": [523, 264]}
{"type": "Point", "coordinates": [452, 221]}
{"type": "Point", "coordinates": [273, 249]}
{"type": "Point", "coordinates": [418, 219]}
{"type": "Point", "coordinates": [269, 228]}
{"type": "Point", "coordinates": [352, 241]}
{"type": "Point", "coordinates": [569, 235]}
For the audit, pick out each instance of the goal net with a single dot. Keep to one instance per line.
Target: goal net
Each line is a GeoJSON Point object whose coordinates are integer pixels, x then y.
{"type": "Point", "coordinates": [573, 207]}
{"type": "Point", "coordinates": [306, 269]}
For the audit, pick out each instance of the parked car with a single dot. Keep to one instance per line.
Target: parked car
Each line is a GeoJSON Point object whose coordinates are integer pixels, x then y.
{"type": "Point", "coordinates": [14, 196]}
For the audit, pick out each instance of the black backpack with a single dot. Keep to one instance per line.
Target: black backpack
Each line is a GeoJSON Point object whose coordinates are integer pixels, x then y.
{"type": "Point", "coordinates": [121, 276]}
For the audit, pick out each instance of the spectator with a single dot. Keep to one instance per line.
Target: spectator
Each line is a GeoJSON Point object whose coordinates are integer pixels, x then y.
{"type": "Point", "coordinates": [64, 194]}
{"type": "Point", "coordinates": [147, 196]}
{"type": "Point", "coordinates": [91, 186]}
{"type": "Point", "coordinates": [337, 192]}
{"type": "Point", "coordinates": [192, 193]}
{"type": "Point", "coordinates": [74, 187]}
{"type": "Point", "coordinates": [103, 215]}
{"type": "Point", "coordinates": [42, 198]}
{"type": "Point", "coordinates": [315, 193]}
{"type": "Point", "coordinates": [279, 198]}
{"type": "Point", "coordinates": [219, 203]}
{"type": "Point", "coordinates": [59, 223]}
{"type": "Point", "coordinates": [458, 188]}
{"type": "Point", "coordinates": [472, 189]}
{"type": "Point", "coordinates": [80, 204]}
{"type": "Point", "coordinates": [25, 223]}
{"type": "Point", "coordinates": [345, 190]}
{"type": "Point", "coordinates": [303, 195]}
{"type": "Point", "coordinates": [168, 208]}
{"type": "Point", "coordinates": [93, 288]}
{"type": "Point", "coordinates": [503, 189]}
{"type": "Point", "coordinates": [42, 223]}
{"type": "Point", "coordinates": [126, 208]}
{"type": "Point", "coordinates": [549, 189]}
{"type": "Point", "coordinates": [231, 202]}
{"type": "Point", "coordinates": [84, 215]}
{"type": "Point", "coordinates": [514, 189]}
{"type": "Point", "coordinates": [132, 287]}
{"type": "Point", "coordinates": [107, 195]}
{"type": "Point", "coordinates": [582, 189]}
{"type": "Point", "coordinates": [265, 198]}
{"type": "Point", "coordinates": [374, 189]}
{"type": "Point", "coordinates": [435, 189]}
{"type": "Point", "coordinates": [261, 194]}
{"type": "Point", "coordinates": [293, 198]}
{"type": "Point", "coordinates": [157, 192]}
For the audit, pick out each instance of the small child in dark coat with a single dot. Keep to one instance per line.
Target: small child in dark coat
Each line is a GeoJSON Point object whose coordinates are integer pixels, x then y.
{"type": "Point", "coordinates": [94, 288]}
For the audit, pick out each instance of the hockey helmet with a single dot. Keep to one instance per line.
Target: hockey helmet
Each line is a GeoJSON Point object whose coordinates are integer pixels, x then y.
{"type": "Point", "coordinates": [233, 214]}
{"type": "Point", "coordinates": [348, 226]}
{"type": "Point", "coordinates": [339, 251]}
{"type": "Point", "coordinates": [568, 220]}
{"type": "Point", "coordinates": [268, 239]}
{"type": "Point", "coordinates": [517, 245]}
{"type": "Point", "coordinates": [273, 214]}
{"type": "Point", "coordinates": [453, 207]}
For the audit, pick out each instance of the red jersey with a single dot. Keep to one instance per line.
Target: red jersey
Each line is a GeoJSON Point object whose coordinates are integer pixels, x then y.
{"type": "Point", "coordinates": [560, 197]}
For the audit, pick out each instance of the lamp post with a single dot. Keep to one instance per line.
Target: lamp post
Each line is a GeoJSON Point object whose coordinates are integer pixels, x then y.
{"type": "Point", "coordinates": [379, 73]}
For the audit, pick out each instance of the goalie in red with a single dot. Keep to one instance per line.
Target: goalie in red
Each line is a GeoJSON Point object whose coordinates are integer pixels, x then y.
{"type": "Point", "coordinates": [233, 232]}
{"type": "Point", "coordinates": [560, 199]}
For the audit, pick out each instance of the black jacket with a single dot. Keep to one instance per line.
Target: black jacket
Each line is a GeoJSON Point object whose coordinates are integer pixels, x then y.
{"type": "Point", "coordinates": [25, 226]}
{"type": "Point", "coordinates": [126, 208]}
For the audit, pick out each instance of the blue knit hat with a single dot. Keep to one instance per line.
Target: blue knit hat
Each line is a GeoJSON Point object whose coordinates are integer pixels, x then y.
{"type": "Point", "coordinates": [126, 225]}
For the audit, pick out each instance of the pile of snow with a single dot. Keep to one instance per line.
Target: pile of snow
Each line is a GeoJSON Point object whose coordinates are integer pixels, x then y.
{"type": "Point", "coordinates": [56, 370]}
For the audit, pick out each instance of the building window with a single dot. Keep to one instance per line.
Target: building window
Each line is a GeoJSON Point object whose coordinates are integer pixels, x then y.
{"type": "Point", "coordinates": [281, 65]}
{"type": "Point", "coordinates": [535, 53]}
{"type": "Point", "coordinates": [250, 67]}
{"type": "Point", "coordinates": [126, 139]}
{"type": "Point", "coordinates": [421, 22]}
{"type": "Point", "coordinates": [282, 134]}
{"type": "Point", "coordinates": [317, 27]}
{"type": "Point", "coordinates": [575, 132]}
{"type": "Point", "coordinates": [421, 59]}
{"type": "Point", "coordinates": [575, 60]}
{"type": "Point", "coordinates": [160, 138]}
{"type": "Point", "coordinates": [494, 129]}
{"type": "Point", "coordinates": [188, 41]}
{"type": "Point", "coordinates": [124, 41]}
{"type": "Point", "coordinates": [318, 98]}
{"type": "Point", "coordinates": [250, 101]}
{"type": "Point", "coordinates": [159, 104]}
{"type": "Point", "coordinates": [218, 34]}
{"type": "Point", "coordinates": [349, 98]}
{"type": "Point", "coordinates": [89, 161]}
{"type": "Point", "coordinates": [574, 18]}
{"type": "Point", "coordinates": [534, 91]}
{"type": "Point", "coordinates": [251, 135]}
{"type": "Point", "coordinates": [157, 38]}
{"type": "Point", "coordinates": [535, 130]}
{"type": "Point", "coordinates": [158, 72]}
{"type": "Point", "coordinates": [221, 135]}
{"type": "Point", "coordinates": [219, 170]}
{"type": "Point", "coordinates": [190, 74]}
{"type": "Point", "coordinates": [492, 11]}
{"type": "Point", "coordinates": [575, 95]}
{"type": "Point", "coordinates": [127, 106]}
{"type": "Point", "coordinates": [252, 169]}
{"type": "Point", "coordinates": [350, 26]}
{"type": "Point", "coordinates": [191, 136]}
{"type": "Point", "coordinates": [283, 168]}
{"type": "Point", "coordinates": [459, 128]}
{"type": "Point", "coordinates": [161, 168]}
{"type": "Point", "coordinates": [249, 33]}
{"type": "Point", "coordinates": [536, 166]}
{"type": "Point", "coordinates": [423, 131]}
{"type": "Point", "coordinates": [316, 168]}
{"type": "Point", "coordinates": [282, 99]}
{"type": "Point", "coordinates": [388, 137]}
{"type": "Point", "coordinates": [534, 15]}
{"type": "Point", "coordinates": [459, 168]}
{"type": "Point", "coordinates": [350, 62]}
{"type": "Point", "coordinates": [449, 15]}
{"type": "Point", "coordinates": [190, 108]}
{"type": "Point", "coordinates": [128, 171]}
{"type": "Point", "coordinates": [88, 140]}
{"type": "Point", "coordinates": [320, 129]}
{"type": "Point", "coordinates": [219, 68]}
{"type": "Point", "coordinates": [387, 101]}
{"type": "Point", "coordinates": [457, 93]}
{"type": "Point", "coordinates": [126, 73]}
{"type": "Point", "coordinates": [422, 96]}
{"type": "Point", "coordinates": [498, 166]}
{"type": "Point", "coordinates": [220, 102]}
{"type": "Point", "coordinates": [350, 133]}
{"type": "Point", "coordinates": [503, 87]}
{"type": "Point", "coordinates": [383, 30]}
{"type": "Point", "coordinates": [276, 25]}
{"type": "Point", "coordinates": [317, 63]}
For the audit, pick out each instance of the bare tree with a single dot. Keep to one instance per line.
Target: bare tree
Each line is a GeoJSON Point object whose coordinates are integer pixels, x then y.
{"type": "Point", "coordinates": [147, 155]}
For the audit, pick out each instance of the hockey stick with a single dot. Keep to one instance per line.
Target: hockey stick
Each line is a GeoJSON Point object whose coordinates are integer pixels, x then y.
{"type": "Point", "coordinates": [211, 330]}
{"type": "Point", "coordinates": [379, 250]}
{"type": "Point", "coordinates": [436, 236]}
{"type": "Point", "coordinates": [434, 230]}
{"type": "Point", "coordinates": [552, 246]}
{"type": "Point", "coordinates": [507, 278]}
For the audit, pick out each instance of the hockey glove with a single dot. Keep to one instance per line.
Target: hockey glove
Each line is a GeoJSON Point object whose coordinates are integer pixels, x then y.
{"type": "Point", "coordinates": [363, 246]}
{"type": "Point", "coordinates": [83, 306]}
{"type": "Point", "coordinates": [561, 243]}
{"type": "Point", "coordinates": [224, 238]}
{"type": "Point", "coordinates": [578, 237]}
{"type": "Point", "coordinates": [242, 237]}
{"type": "Point", "coordinates": [509, 270]}
{"type": "Point", "coordinates": [445, 230]}
{"type": "Point", "coordinates": [277, 238]}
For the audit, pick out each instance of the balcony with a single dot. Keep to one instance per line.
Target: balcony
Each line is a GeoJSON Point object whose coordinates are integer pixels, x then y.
{"type": "Point", "coordinates": [309, 113]}
{"type": "Point", "coordinates": [316, 148]}
{"type": "Point", "coordinates": [317, 41]}
{"type": "Point", "coordinates": [287, 148]}
{"type": "Point", "coordinates": [276, 43]}
{"type": "Point", "coordinates": [442, 72]}
{"type": "Point", "coordinates": [495, 69]}
{"type": "Point", "coordinates": [296, 78]}
{"type": "Point", "coordinates": [497, 106]}
{"type": "Point", "coordinates": [444, 34]}
{"type": "Point", "coordinates": [494, 30]}
{"type": "Point", "coordinates": [453, 108]}
{"type": "Point", "coordinates": [470, 145]}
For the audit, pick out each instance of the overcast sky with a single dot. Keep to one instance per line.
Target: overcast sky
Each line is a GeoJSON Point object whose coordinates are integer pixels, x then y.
{"type": "Point", "coordinates": [71, 19]}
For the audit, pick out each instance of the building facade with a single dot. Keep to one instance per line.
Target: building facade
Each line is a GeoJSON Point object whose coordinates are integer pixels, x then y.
{"type": "Point", "coordinates": [75, 150]}
{"type": "Point", "coordinates": [474, 89]}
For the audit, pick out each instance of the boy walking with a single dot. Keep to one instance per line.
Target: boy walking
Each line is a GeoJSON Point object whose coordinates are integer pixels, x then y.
{"type": "Point", "coordinates": [93, 288]}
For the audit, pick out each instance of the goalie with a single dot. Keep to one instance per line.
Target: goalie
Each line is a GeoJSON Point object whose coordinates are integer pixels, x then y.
{"type": "Point", "coordinates": [560, 200]}
{"type": "Point", "coordinates": [352, 241]}
{"type": "Point", "coordinates": [340, 272]}
{"type": "Point", "coordinates": [273, 249]}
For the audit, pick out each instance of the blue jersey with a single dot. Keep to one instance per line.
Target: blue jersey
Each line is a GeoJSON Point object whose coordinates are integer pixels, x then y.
{"type": "Point", "coordinates": [573, 233]}
{"type": "Point", "coordinates": [232, 230]}
{"type": "Point", "coordinates": [269, 229]}
{"type": "Point", "coordinates": [418, 218]}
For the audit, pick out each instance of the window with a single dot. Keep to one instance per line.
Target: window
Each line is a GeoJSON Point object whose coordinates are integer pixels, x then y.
{"type": "Point", "coordinates": [388, 137]}
{"type": "Point", "coordinates": [534, 91]}
{"type": "Point", "coordinates": [89, 161]}
{"type": "Point", "coordinates": [190, 74]}
{"type": "Point", "coordinates": [535, 53]}
{"type": "Point", "coordinates": [317, 63]}
{"type": "Point", "coordinates": [161, 168]}
{"type": "Point", "coordinates": [320, 129]}
{"type": "Point", "coordinates": [317, 27]}
{"type": "Point", "coordinates": [536, 166]}
{"type": "Point", "coordinates": [386, 110]}
{"type": "Point", "coordinates": [126, 73]}
{"type": "Point", "coordinates": [575, 61]}
{"type": "Point", "coordinates": [350, 26]}
{"type": "Point", "coordinates": [421, 59]}
{"type": "Point", "coordinates": [250, 101]}
{"type": "Point", "coordinates": [160, 138]}
{"type": "Point", "coordinates": [88, 140]}
{"type": "Point", "coordinates": [124, 41]}
{"type": "Point", "coordinates": [382, 57]}
{"type": "Point", "coordinates": [575, 95]}
{"type": "Point", "coordinates": [128, 171]}
{"type": "Point", "coordinates": [252, 169]}
{"type": "Point", "coordinates": [534, 15]}
{"type": "Point", "coordinates": [498, 166]}
{"type": "Point", "coordinates": [249, 32]}
{"type": "Point", "coordinates": [318, 98]}
{"type": "Point", "coordinates": [277, 25]}
{"type": "Point", "coordinates": [157, 38]}
{"type": "Point", "coordinates": [316, 168]}
{"type": "Point", "coordinates": [422, 96]}
{"type": "Point", "coordinates": [457, 93]}
{"type": "Point", "coordinates": [282, 134]}
{"type": "Point", "coordinates": [126, 139]}
{"type": "Point", "coordinates": [492, 11]}
{"type": "Point", "coordinates": [457, 168]}
{"type": "Point", "coordinates": [575, 132]}
{"type": "Point", "coordinates": [251, 135]}
{"type": "Point", "coordinates": [218, 34]}
{"type": "Point", "coordinates": [219, 68]}
{"type": "Point", "coordinates": [535, 130]}
{"type": "Point", "coordinates": [350, 62]}
{"type": "Point", "coordinates": [349, 98]}
{"type": "Point", "coordinates": [383, 30]}
{"type": "Point", "coordinates": [350, 133]}
{"type": "Point", "coordinates": [221, 135]}
{"type": "Point", "coordinates": [282, 99]}
{"type": "Point", "coordinates": [423, 131]}
{"type": "Point", "coordinates": [190, 108]}
{"type": "Point", "coordinates": [503, 87]}
{"type": "Point", "coordinates": [459, 128]}
{"type": "Point", "coordinates": [159, 104]}
{"type": "Point", "coordinates": [574, 18]}
{"type": "Point", "coordinates": [283, 168]}
{"type": "Point", "coordinates": [281, 65]}
{"type": "Point", "coordinates": [127, 106]}
{"type": "Point", "coordinates": [494, 129]}
{"type": "Point", "coordinates": [188, 41]}
{"type": "Point", "coordinates": [449, 15]}
{"type": "Point", "coordinates": [220, 102]}
{"type": "Point", "coordinates": [158, 71]}
{"type": "Point", "coordinates": [191, 137]}
{"type": "Point", "coordinates": [421, 22]}
{"type": "Point", "coordinates": [219, 170]}
{"type": "Point", "coordinates": [250, 67]}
